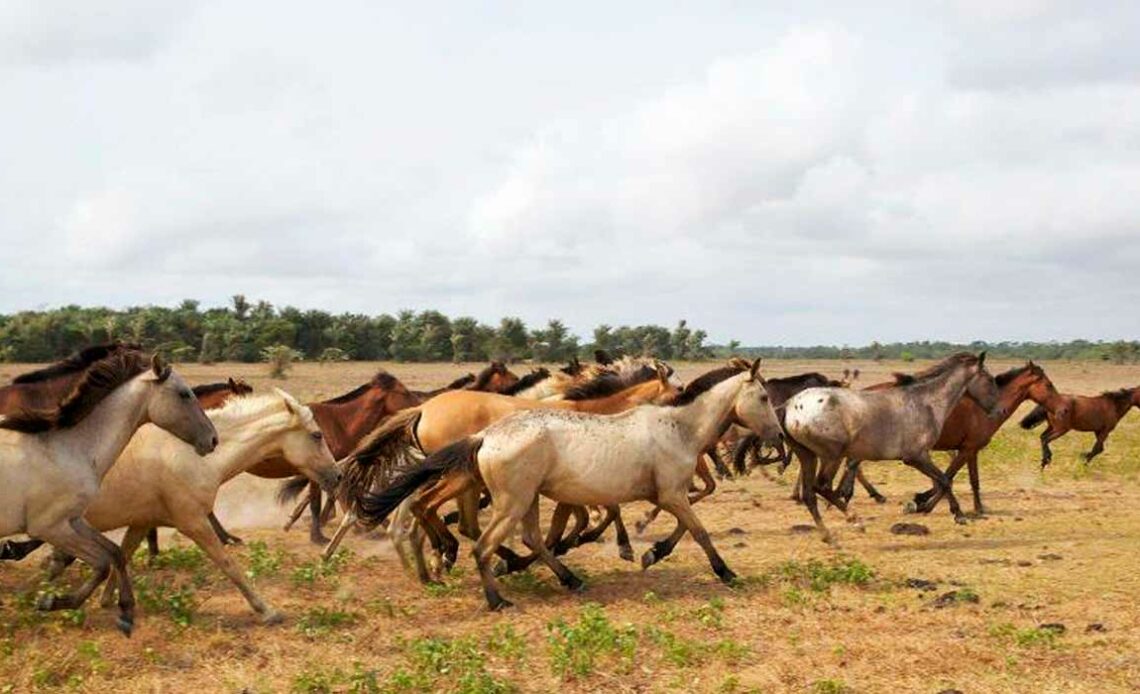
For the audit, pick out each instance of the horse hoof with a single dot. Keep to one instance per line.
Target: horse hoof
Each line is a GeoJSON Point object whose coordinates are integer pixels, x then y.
{"type": "Point", "coordinates": [626, 552]}
{"type": "Point", "coordinates": [272, 617]}
{"type": "Point", "coordinates": [961, 520]}
{"type": "Point", "coordinates": [879, 499]}
{"type": "Point", "coordinates": [574, 584]}
{"type": "Point", "coordinates": [46, 603]}
{"type": "Point", "coordinates": [231, 540]}
{"type": "Point", "coordinates": [125, 625]}
{"type": "Point", "coordinates": [640, 526]}
{"type": "Point", "coordinates": [500, 604]}
{"type": "Point", "coordinates": [500, 569]}
{"type": "Point", "coordinates": [911, 507]}
{"type": "Point", "coordinates": [726, 576]}
{"type": "Point", "coordinates": [648, 559]}
{"type": "Point", "coordinates": [319, 540]}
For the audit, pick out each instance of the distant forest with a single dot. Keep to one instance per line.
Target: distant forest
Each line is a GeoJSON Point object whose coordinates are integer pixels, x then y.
{"type": "Point", "coordinates": [248, 331]}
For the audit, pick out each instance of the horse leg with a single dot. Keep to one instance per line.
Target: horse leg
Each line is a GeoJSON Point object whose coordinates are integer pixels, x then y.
{"type": "Point", "coordinates": [425, 508]}
{"type": "Point", "coordinates": [131, 541]}
{"type": "Point", "coordinates": [403, 532]}
{"type": "Point", "coordinates": [925, 502]}
{"type": "Point", "coordinates": [338, 536]}
{"type": "Point", "coordinates": [505, 515]}
{"type": "Point", "coordinates": [722, 470]}
{"type": "Point", "coordinates": [75, 536]}
{"type": "Point", "coordinates": [223, 534]}
{"type": "Point", "coordinates": [847, 484]}
{"type": "Point", "coordinates": [1052, 433]}
{"type": "Point", "coordinates": [702, 472]}
{"type": "Point", "coordinates": [315, 535]}
{"type": "Point", "coordinates": [296, 513]}
{"type": "Point", "coordinates": [870, 488]}
{"type": "Point", "coordinates": [740, 454]}
{"type": "Point", "coordinates": [558, 543]}
{"type": "Point", "coordinates": [923, 464]}
{"type": "Point", "coordinates": [329, 511]}
{"type": "Point", "coordinates": [1098, 447]}
{"type": "Point", "coordinates": [625, 549]}
{"type": "Point", "coordinates": [532, 537]}
{"type": "Point", "coordinates": [152, 549]}
{"type": "Point", "coordinates": [975, 483]}
{"type": "Point", "coordinates": [679, 507]}
{"type": "Point", "coordinates": [663, 548]}
{"type": "Point", "coordinates": [12, 550]}
{"type": "Point", "coordinates": [198, 529]}
{"type": "Point", "coordinates": [807, 487]}
{"type": "Point", "coordinates": [642, 523]}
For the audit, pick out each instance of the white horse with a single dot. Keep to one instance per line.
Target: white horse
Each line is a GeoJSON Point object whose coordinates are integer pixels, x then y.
{"type": "Point", "coordinates": [647, 453]}
{"type": "Point", "coordinates": [51, 462]}
{"type": "Point", "coordinates": [159, 481]}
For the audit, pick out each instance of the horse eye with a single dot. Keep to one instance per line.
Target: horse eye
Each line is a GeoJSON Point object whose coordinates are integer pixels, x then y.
{"type": "Point", "coordinates": [317, 436]}
{"type": "Point", "coordinates": [185, 395]}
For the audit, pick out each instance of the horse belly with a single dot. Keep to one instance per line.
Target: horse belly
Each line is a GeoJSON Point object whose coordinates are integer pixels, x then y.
{"type": "Point", "coordinates": [585, 475]}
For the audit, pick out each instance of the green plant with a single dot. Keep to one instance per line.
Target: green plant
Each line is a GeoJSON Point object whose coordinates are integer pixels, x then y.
{"type": "Point", "coordinates": [576, 648]}
{"type": "Point", "coordinates": [830, 687]}
{"type": "Point", "coordinates": [820, 576]}
{"type": "Point", "coordinates": [280, 359]}
{"type": "Point", "coordinates": [309, 572]}
{"type": "Point", "coordinates": [506, 643]}
{"type": "Point", "coordinates": [262, 560]}
{"type": "Point", "coordinates": [188, 558]}
{"type": "Point", "coordinates": [176, 601]}
{"type": "Point", "coordinates": [321, 620]}
{"type": "Point", "coordinates": [711, 614]}
{"type": "Point", "coordinates": [439, 664]}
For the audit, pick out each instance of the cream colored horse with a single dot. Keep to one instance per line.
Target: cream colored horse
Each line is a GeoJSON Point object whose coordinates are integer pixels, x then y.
{"type": "Point", "coordinates": [647, 453]}
{"type": "Point", "coordinates": [159, 481]}
{"type": "Point", "coordinates": [51, 463]}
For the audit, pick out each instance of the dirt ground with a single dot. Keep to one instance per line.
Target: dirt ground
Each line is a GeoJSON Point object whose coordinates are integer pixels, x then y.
{"type": "Point", "coordinates": [1038, 595]}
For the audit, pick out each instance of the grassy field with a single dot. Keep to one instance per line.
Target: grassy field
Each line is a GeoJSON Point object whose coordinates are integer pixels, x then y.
{"type": "Point", "coordinates": [1040, 595]}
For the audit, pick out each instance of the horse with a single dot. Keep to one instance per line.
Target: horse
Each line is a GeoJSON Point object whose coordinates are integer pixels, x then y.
{"type": "Point", "coordinates": [160, 482]}
{"type": "Point", "coordinates": [967, 430]}
{"type": "Point", "coordinates": [1098, 413]}
{"type": "Point", "coordinates": [646, 453]}
{"type": "Point", "coordinates": [901, 423]}
{"type": "Point", "coordinates": [349, 417]}
{"type": "Point", "coordinates": [44, 388]}
{"type": "Point", "coordinates": [52, 460]}
{"type": "Point", "coordinates": [450, 417]}
{"type": "Point", "coordinates": [210, 395]}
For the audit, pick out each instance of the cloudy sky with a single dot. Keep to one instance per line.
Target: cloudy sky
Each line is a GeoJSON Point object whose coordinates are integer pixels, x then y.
{"type": "Point", "coordinates": [780, 175]}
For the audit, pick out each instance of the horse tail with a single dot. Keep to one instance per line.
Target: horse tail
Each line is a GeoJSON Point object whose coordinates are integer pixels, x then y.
{"type": "Point", "coordinates": [389, 448]}
{"type": "Point", "coordinates": [740, 454]}
{"type": "Point", "coordinates": [291, 488]}
{"type": "Point", "coordinates": [372, 509]}
{"type": "Point", "coordinates": [1038, 415]}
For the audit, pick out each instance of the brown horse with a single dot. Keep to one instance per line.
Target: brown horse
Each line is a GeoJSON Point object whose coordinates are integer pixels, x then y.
{"type": "Point", "coordinates": [452, 416]}
{"type": "Point", "coordinates": [45, 388]}
{"type": "Point", "coordinates": [968, 429]}
{"type": "Point", "coordinates": [1099, 414]}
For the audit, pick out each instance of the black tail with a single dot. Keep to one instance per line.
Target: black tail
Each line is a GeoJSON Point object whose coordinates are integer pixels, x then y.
{"type": "Point", "coordinates": [1038, 415]}
{"type": "Point", "coordinates": [291, 488]}
{"type": "Point", "coordinates": [374, 508]}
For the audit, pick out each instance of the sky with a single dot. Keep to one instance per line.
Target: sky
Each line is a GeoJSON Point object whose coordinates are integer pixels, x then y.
{"type": "Point", "coordinates": [775, 173]}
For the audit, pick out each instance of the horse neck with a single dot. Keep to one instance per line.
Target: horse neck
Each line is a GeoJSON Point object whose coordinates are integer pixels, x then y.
{"type": "Point", "coordinates": [1051, 400]}
{"type": "Point", "coordinates": [246, 441]}
{"type": "Point", "coordinates": [942, 392]}
{"type": "Point", "coordinates": [703, 419]}
{"type": "Point", "coordinates": [335, 419]}
{"type": "Point", "coordinates": [104, 433]}
{"type": "Point", "coordinates": [1012, 394]}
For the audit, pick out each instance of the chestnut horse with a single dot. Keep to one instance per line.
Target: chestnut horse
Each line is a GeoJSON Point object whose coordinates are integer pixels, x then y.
{"type": "Point", "coordinates": [969, 429]}
{"type": "Point", "coordinates": [1099, 414]}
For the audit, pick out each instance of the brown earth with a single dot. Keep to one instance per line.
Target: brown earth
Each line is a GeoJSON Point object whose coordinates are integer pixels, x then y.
{"type": "Point", "coordinates": [1058, 547]}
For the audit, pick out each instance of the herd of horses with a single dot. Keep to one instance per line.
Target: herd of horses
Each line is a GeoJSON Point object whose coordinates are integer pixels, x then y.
{"type": "Point", "coordinates": [114, 438]}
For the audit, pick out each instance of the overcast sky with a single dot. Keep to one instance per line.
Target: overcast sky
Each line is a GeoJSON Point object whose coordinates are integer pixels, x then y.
{"type": "Point", "coordinates": [780, 175]}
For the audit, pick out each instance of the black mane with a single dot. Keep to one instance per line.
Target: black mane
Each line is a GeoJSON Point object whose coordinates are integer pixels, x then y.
{"type": "Point", "coordinates": [77, 362]}
{"type": "Point", "coordinates": [527, 381]}
{"type": "Point", "coordinates": [705, 382]}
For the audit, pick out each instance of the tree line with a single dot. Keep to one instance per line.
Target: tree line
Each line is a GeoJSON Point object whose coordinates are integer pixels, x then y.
{"type": "Point", "coordinates": [246, 331]}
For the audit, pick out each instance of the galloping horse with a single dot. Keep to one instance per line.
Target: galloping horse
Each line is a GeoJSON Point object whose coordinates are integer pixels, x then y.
{"type": "Point", "coordinates": [450, 417]}
{"type": "Point", "coordinates": [968, 429]}
{"type": "Point", "coordinates": [647, 453]}
{"type": "Point", "coordinates": [901, 423]}
{"type": "Point", "coordinates": [1099, 414]}
{"type": "Point", "coordinates": [158, 481]}
{"type": "Point", "coordinates": [52, 460]}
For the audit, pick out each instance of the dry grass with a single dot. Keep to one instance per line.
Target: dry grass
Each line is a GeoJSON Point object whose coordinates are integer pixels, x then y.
{"type": "Point", "coordinates": [1059, 547]}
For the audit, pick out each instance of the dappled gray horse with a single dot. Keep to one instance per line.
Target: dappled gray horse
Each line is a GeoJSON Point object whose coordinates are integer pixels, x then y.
{"type": "Point", "coordinates": [903, 423]}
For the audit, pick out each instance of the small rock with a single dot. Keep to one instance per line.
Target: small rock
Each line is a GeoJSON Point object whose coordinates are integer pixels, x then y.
{"type": "Point", "coordinates": [922, 584]}
{"type": "Point", "coordinates": [909, 529]}
{"type": "Point", "coordinates": [802, 529]}
{"type": "Point", "coordinates": [1003, 562]}
{"type": "Point", "coordinates": [1096, 627]}
{"type": "Point", "coordinates": [1049, 557]}
{"type": "Point", "coordinates": [1024, 562]}
{"type": "Point", "coordinates": [1055, 627]}
{"type": "Point", "coordinates": [736, 531]}
{"type": "Point", "coordinates": [1018, 518]}
{"type": "Point", "coordinates": [953, 598]}
{"type": "Point", "coordinates": [951, 691]}
{"type": "Point", "coordinates": [739, 545]}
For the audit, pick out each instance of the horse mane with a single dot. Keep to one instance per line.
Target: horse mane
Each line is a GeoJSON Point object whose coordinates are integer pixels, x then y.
{"type": "Point", "coordinates": [941, 368]}
{"type": "Point", "coordinates": [813, 378]}
{"type": "Point", "coordinates": [461, 382]}
{"type": "Point", "coordinates": [210, 388]}
{"type": "Point", "coordinates": [1119, 397]}
{"type": "Point", "coordinates": [382, 379]}
{"type": "Point", "coordinates": [485, 376]}
{"type": "Point", "coordinates": [706, 382]}
{"type": "Point", "coordinates": [1006, 377]}
{"type": "Point", "coordinates": [350, 395]}
{"type": "Point", "coordinates": [527, 381]}
{"type": "Point", "coordinates": [251, 405]}
{"type": "Point", "coordinates": [608, 382]}
{"type": "Point", "coordinates": [99, 380]}
{"type": "Point", "coordinates": [77, 362]}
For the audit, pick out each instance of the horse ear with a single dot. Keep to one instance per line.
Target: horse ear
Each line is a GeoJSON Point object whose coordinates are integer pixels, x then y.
{"type": "Point", "coordinates": [233, 384]}
{"type": "Point", "coordinates": [159, 368]}
{"type": "Point", "coordinates": [754, 371]}
{"type": "Point", "coordinates": [291, 403]}
{"type": "Point", "coordinates": [663, 371]}
{"type": "Point", "coordinates": [981, 359]}
{"type": "Point", "coordinates": [855, 375]}
{"type": "Point", "coordinates": [603, 357]}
